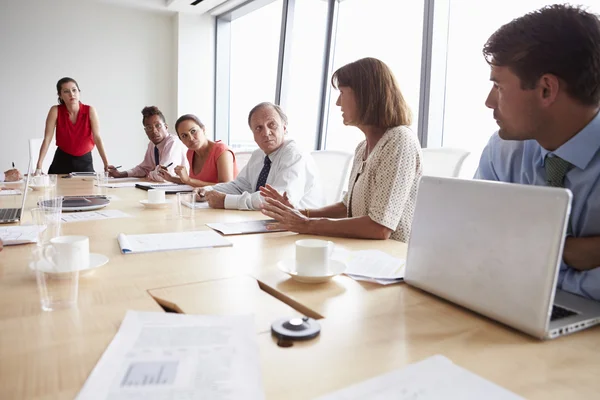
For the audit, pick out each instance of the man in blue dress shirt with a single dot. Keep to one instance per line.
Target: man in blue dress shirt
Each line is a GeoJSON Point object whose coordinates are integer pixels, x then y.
{"type": "Point", "coordinates": [545, 69]}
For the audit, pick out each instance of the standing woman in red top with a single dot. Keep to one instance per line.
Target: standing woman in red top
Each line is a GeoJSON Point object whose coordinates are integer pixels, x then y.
{"type": "Point", "coordinates": [77, 132]}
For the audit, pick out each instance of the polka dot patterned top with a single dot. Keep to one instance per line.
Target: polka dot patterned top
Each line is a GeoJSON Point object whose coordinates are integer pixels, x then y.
{"type": "Point", "coordinates": [384, 186]}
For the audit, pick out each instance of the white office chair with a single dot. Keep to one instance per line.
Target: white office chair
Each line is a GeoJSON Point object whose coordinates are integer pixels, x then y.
{"type": "Point", "coordinates": [242, 157]}
{"type": "Point", "coordinates": [334, 169]}
{"type": "Point", "coordinates": [444, 162]}
{"type": "Point", "coordinates": [34, 153]}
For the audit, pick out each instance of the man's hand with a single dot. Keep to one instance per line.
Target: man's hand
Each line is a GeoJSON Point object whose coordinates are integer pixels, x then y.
{"type": "Point", "coordinates": [582, 253]}
{"type": "Point", "coordinates": [215, 199]}
{"type": "Point", "coordinates": [112, 171]}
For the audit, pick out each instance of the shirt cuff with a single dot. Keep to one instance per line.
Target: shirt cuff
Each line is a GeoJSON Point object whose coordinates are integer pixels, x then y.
{"type": "Point", "coordinates": [231, 201]}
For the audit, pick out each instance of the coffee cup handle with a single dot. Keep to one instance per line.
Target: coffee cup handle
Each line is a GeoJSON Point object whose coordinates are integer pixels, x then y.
{"type": "Point", "coordinates": [48, 253]}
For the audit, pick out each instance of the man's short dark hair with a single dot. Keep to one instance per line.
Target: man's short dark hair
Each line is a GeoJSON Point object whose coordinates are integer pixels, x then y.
{"type": "Point", "coordinates": [562, 40]}
{"type": "Point", "coordinates": [150, 111]}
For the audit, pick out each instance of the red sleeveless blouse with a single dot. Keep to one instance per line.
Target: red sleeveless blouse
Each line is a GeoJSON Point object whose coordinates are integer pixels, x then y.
{"type": "Point", "coordinates": [76, 138]}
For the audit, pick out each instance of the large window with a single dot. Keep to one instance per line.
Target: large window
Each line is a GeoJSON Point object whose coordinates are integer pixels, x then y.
{"type": "Point", "coordinates": [468, 123]}
{"type": "Point", "coordinates": [390, 30]}
{"type": "Point", "coordinates": [254, 56]}
{"type": "Point", "coordinates": [301, 92]}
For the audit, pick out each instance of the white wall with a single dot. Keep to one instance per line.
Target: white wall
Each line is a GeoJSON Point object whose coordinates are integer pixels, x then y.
{"type": "Point", "coordinates": [196, 68]}
{"type": "Point", "coordinates": [122, 58]}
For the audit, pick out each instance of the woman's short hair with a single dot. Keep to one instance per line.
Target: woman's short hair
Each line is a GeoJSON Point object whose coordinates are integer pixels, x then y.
{"type": "Point", "coordinates": [379, 99]}
{"type": "Point", "coordinates": [188, 117]}
{"type": "Point", "coordinates": [61, 82]}
{"type": "Point", "coordinates": [562, 40]}
{"type": "Point", "coordinates": [151, 111]}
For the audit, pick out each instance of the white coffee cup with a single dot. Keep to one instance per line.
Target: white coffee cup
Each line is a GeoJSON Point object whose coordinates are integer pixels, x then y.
{"type": "Point", "coordinates": [312, 257]}
{"type": "Point", "coordinates": [68, 253]}
{"type": "Point", "coordinates": [156, 196]}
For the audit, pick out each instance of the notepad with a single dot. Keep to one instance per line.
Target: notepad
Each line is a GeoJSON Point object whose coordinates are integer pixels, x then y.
{"type": "Point", "coordinates": [372, 266]}
{"type": "Point", "coordinates": [9, 192]}
{"type": "Point", "coordinates": [243, 228]}
{"type": "Point", "coordinates": [170, 241]}
{"type": "Point", "coordinates": [196, 205]}
{"type": "Point", "coordinates": [169, 188]}
{"type": "Point", "coordinates": [12, 235]}
{"type": "Point", "coordinates": [431, 379]}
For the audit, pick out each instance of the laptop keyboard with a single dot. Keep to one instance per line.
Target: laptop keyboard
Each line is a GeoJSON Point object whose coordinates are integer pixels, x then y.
{"type": "Point", "coordinates": [560, 313]}
{"type": "Point", "coordinates": [9, 214]}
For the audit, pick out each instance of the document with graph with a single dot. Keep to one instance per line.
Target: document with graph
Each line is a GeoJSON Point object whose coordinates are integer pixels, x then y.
{"type": "Point", "coordinates": [175, 356]}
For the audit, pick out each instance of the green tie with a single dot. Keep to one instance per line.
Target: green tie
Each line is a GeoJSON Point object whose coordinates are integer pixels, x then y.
{"type": "Point", "coordinates": [556, 169]}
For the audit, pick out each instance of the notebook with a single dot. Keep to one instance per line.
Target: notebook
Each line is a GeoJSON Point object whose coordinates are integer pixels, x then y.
{"type": "Point", "coordinates": [243, 228]}
{"type": "Point", "coordinates": [170, 241]}
{"type": "Point", "coordinates": [12, 235]}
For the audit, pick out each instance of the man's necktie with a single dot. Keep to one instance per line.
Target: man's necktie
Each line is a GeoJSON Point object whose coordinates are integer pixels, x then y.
{"type": "Point", "coordinates": [264, 173]}
{"type": "Point", "coordinates": [156, 156]}
{"type": "Point", "coordinates": [556, 169]}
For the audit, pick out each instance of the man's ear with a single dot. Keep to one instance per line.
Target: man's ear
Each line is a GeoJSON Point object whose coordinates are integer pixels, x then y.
{"type": "Point", "coordinates": [549, 86]}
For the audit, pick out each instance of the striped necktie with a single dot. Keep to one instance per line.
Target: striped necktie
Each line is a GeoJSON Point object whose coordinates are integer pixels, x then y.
{"type": "Point", "coordinates": [264, 173]}
{"type": "Point", "coordinates": [556, 169]}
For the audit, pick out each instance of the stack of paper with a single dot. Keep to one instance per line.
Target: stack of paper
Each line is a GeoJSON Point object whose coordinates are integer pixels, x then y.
{"type": "Point", "coordinates": [372, 266]}
{"type": "Point", "coordinates": [158, 356]}
{"type": "Point", "coordinates": [11, 235]}
{"type": "Point", "coordinates": [9, 192]}
{"type": "Point", "coordinates": [93, 215]}
{"type": "Point", "coordinates": [170, 241]}
{"type": "Point", "coordinates": [431, 379]}
{"type": "Point", "coordinates": [243, 228]}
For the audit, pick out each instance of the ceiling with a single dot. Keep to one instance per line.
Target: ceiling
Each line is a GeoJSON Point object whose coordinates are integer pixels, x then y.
{"type": "Point", "coordinates": [213, 7]}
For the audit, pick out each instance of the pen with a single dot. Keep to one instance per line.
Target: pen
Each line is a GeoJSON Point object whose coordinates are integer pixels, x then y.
{"type": "Point", "coordinates": [167, 166]}
{"type": "Point", "coordinates": [13, 164]}
{"type": "Point", "coordinates": [118, 166]}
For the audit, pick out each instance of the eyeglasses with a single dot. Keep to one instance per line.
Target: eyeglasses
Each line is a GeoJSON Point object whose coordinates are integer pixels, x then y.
{"type": "Point", "coordinates": [150, 128]}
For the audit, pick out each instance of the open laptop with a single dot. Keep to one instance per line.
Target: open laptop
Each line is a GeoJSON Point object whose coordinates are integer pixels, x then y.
{"type": "Point", "coordinates": [496, 248]}
{"type": "Point", "coordinates": [12, 215]}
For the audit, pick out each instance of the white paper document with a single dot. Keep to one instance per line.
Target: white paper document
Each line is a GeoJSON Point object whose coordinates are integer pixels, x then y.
{"type": "Point", "coordinates": [111, 184]}
{"type": "Point", "coordinates": [12, 235]}
{"type": "Point", "coordinates": [196, 205]}
{"type": "Point", "coordinates": [243, 228]}
{"type": "Point", "coordinates": [371, 265]}
{"type": "Point", "coordinates": [160, 356]}
{"type": "Point", "coordinates": [431, 379]}
{"type": "Point", "coordinates": [170, 241]}
{"type": "Point", "coordinates": [93, 215]}
{"type": "Point", "coordinates": [10, 192]}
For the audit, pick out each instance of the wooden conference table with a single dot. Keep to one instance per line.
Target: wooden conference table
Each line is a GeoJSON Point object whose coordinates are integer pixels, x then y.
{"type": "Point", "coordinates": [367, 329]}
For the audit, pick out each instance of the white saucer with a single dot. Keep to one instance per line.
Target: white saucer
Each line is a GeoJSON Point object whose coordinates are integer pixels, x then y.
{"type": "Point", "coordinates": [40, 187]}
{"type": "Point", "coordinates": [96, 260]}
{"type": "Point", "coordinates": [289, 267]}
{"type": "Point", "coordinates": [146, 204]}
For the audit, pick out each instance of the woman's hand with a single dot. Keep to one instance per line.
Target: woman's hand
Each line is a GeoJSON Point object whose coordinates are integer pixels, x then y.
{"type": "Point", "coordinates": [182, 173]}
{"type": "Point", "coordinates": [287, 217]}
{"type": "Point", "coordinates": [269, 192]}
{"type": "Point", "coordinates": [165, 174]}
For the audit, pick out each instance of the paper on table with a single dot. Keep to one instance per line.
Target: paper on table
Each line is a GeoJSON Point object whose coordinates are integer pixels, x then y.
{"type": "Point", "coordinates": [9, 192]}
{"type": "Point", "coordinates": [241, 228]}
{"type": "Point", "coordinates": [196, 204]}
{"type": "Point", "coordinates": [93, 215]}
{"type": "Point", "coordinates": [117, 184]}
{"type": "Point", "coordinates": [170, 241]}
{"type": "Point", "coordinates": [173, 356]}
{"type": "Point", "coordinates": [431, 379]}
{"type": "Point", "coordinates": [12, 235]}
{"type": "Point", "coordinates": [371, 264]}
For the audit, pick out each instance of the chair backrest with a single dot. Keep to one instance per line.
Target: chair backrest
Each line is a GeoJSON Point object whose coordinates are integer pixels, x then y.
{"type": "Point", "coordinates": [443, 162]}
{"type": "Point", "coordinates": [242, 157]}
{"type": "Point", "coordinates": [334, 169]}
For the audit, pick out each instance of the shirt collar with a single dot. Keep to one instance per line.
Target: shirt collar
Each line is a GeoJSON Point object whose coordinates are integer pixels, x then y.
{"type": "Point", "coordinates": [273, 155]}
{"type": "Point", "coordinates": [581, 148]}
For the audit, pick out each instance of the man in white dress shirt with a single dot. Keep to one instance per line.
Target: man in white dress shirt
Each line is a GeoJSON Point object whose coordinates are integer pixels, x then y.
{"type": "Point", "coordinates": [278, 162]}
